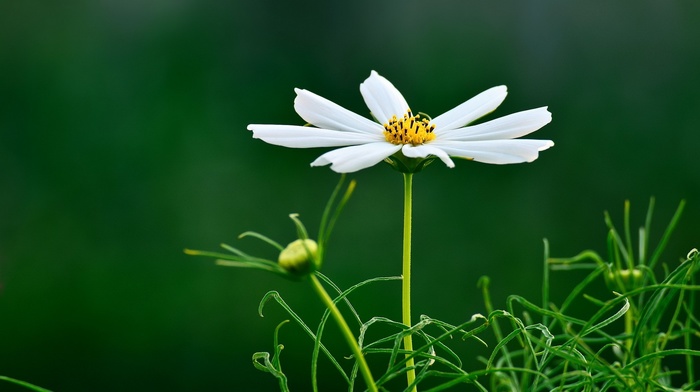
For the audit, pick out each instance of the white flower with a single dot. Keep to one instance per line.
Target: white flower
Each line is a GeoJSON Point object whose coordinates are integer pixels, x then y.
{"type": "Point", "coordinates": [365, 142]}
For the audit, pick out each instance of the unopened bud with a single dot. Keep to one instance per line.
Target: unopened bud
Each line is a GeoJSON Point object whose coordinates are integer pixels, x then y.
{"type": "Point", "coordinates": [299, 256]}
{"type": "Point", "coordinates": [629, 279]}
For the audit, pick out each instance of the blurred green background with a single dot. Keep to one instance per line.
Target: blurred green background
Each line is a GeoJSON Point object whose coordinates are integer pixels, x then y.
{"type": "Point", "coordinates": [123, 141]}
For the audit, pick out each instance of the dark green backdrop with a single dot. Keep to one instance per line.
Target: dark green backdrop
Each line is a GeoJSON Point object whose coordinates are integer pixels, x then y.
{"type": "Point", "coordinates": [123, 140]}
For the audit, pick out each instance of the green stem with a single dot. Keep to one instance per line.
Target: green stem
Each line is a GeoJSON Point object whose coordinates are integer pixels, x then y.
{"type": "Point", "coordinates": [347, 334]}
{"type": "Point", "coordinates": [23, 384]}
{"type": "Point", "coordinates": [629, 331]}
{"type": "Point", "coordinates": [406, 283]}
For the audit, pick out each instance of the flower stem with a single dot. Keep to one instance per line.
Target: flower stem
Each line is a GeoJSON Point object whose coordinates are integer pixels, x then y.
{"type": "Point", "coordinates": [406, 282]}
{"type": "Point", "coordinates": [629, 331]}
{"type": "Point", "coordinates": [347, 334]}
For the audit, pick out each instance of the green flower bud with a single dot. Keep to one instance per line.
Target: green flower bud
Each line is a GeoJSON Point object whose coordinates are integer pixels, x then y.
{"type": "Point", "coordinates": [630, 279]}
{"type": "Point", "coordinates": [299, 256]}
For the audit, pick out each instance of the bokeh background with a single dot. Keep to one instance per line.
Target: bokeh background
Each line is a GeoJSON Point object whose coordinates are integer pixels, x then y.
{"type": "Point", "coordinates": [123, 141]}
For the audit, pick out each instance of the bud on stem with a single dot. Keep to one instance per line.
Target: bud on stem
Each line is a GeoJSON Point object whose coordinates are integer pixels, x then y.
{"type": "Point", "coordinates": [299, 257]}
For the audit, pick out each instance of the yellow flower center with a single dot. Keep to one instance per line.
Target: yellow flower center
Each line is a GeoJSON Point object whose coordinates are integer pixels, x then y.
{"type": "Point", "coordinates": [409, 129]}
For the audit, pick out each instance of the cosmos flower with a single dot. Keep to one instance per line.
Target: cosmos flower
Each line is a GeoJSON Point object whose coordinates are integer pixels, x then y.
{"type": "Point", "coordinates": [399, 135]}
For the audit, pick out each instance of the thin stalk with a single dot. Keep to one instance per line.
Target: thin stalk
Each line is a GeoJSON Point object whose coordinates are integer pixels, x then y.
{"type": "Point", "coordinates": [23, 384]}
{"type": "Point", "coordinates": [629, 332]}
{"type": "Point", "coordinates": [406, 273]}
{"type": "Point", "coordinates": [545, 283]}
{"type": "Point", "coordinates": [687, 338]}
{"type": "Point", "coordinates": [628, 238]}
{"type": "Point", "coordinates": [345, 330]}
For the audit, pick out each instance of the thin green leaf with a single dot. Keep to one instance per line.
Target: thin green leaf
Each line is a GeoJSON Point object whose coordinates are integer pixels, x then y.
{"type": "Point", "coordinates": [589, 327]}
{"type": "Point", "coordinates": [23, 384]}
{"type": "Point", "coordinates": [460, 379]}
{"type": "Point", "coordinates": [326, 314]}
{"type": "Point", "coordinates": [662, 354]}
{"type": "Point", "coordinates": [337, 289]}
{"type": "Point", "coordinates": [234, 250]}
{"type": "Point", "coordinates": [261, 361]}
{"type": "Point", "coordinates": [578, 289]}
{"type": "Point", "coordinates": [245, 261]}
{"type": "Point", "coordinates": [273, 366]}
{"type": "Point", "coordinates": [545, 281]}
{"type": "Point", "coordinates": [628, 236]}
{"type": "Point", "coordinates": [263, 238]}
{"type": "Point", "coordinates": [644, 238]}
{"type": "Point", "coordinates": [225, 256]}
{"type": "Point", "coordinates": [619, 244]}
{"type": "Point", "coordinates": [301, 230]}
{"type": "Point", "coordinates": [250, 264]}
{"type": "Point", "coordinates": [663, 294]}
{"type": "Point", "coordinates": [278, 347]}
{"type": "Point", "coordinates": [667, 234]}
{"type": "Point", "coordinates": [276, 296]}
{"type": "Point", "coordinates": [424, 351]}
{"type": "Point", "coordinates": [338, 209]}
{"type": "Point", "coordinates": [327, 210]}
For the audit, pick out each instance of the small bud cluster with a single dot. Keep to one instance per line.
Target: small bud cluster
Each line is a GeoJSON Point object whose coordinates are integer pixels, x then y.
{"type": "Point", "coordinates": [630, 279]}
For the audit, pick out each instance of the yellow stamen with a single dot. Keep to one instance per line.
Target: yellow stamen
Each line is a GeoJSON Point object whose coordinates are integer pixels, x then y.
{"type": "Point", "coordinates": [409, 129]}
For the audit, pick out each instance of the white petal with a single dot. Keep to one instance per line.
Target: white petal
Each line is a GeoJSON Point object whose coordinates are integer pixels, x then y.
{"type": "Point", "coordinates": [473, 109]}
{"type": "Point", "coordinates": [382, 98]}
{"type": "Point", "coordinates": [496, 151]}
{"type": "Point", "coordinates": [424, 150]}
{"type": "Point", "coordinates": [323, 113]}
{"type": "Point", "coordinates": [304, 137]}
{"type": "Point", "coordinates": [507, 127]}
{"type": "Point", "coordinates": [354, 158]}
